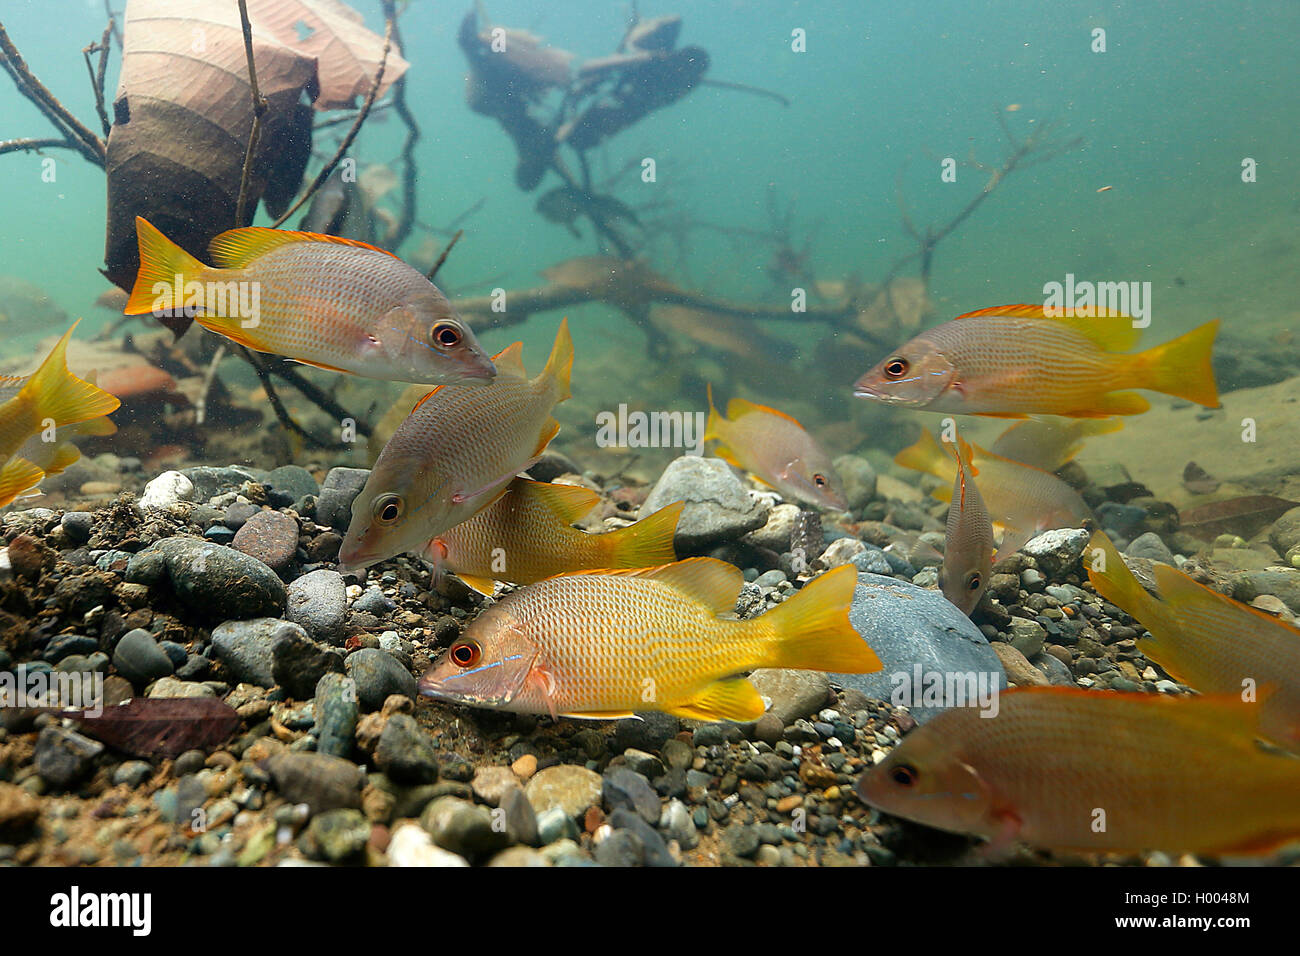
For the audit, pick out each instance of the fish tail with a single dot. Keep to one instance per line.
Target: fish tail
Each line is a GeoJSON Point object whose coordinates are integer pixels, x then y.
{"type": "Point", "coordinates": [646, 544]}
{"type": "Point", "coordinates": [58, 395]}
{"type": "Point", "coordinates": [712, 429]}
{"type": "Point", "coordinates": [811, 631]}
{"type": "Point", "coordinates": [926, 456]}
{"type": "Point", "coordinates": [1117, 584]}
{"type": "Point", "coordinates": [560, 364]}
{"type": "Point", "coordinates": [1182, 367]}
{"type": "Point", "coordinates": [161, 262]}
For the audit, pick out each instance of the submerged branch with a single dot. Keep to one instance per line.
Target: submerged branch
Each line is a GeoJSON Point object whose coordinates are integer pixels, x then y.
{"type": "Point", "coordinates": [81, 139]}
{"type": "Point", "coordinates": [97, 74]}
{"type": "Point", "coordinates": [445, 252]}
{"type": "Point", "coordinates": [34, 145]}
{"type": "Point", "coordinates": [259, 108]}
{"type": "Point", "coordinates": [409, 172]}
{"type": "Point", "coordinates": [324, 174]}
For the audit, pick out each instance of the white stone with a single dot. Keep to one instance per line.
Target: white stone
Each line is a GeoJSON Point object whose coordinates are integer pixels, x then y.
{"type": "Point", "coordinates": [412, 846]}
{"type": "Point", "coordinates": [166, 491]}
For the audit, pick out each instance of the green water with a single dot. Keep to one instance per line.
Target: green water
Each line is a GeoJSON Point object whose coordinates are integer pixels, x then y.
{"type": "Point", "coordinates": [1184, 92]}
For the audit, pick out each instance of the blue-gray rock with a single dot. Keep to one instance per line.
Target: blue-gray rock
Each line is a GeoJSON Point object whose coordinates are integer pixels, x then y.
{"type": "Point", "coordinates": [318, 602]}
{"type": "Point", "coordinates": [1054, 670]}
{"type": "Point", "coordinates": [873, 561]}
{"type": "Point", "coordinates": [373, 601]}
{"type": "Point", "coordinates": [521, 820]}
{"type": "Point", "coordinates": [214, 582]}
{"type": "Point", "coordinates": [237, 514]}
{"type": "Point", "coordinates": [1058, 551]}
{"type": "Point", "coordinates": [718, 507]}
{"type": "Point", "coordinates": [245, 647]}
{"type": "Point", "coordinates": [63, 757]}
{"type": "Point", "coordinates": [77, 525]}
{"type": "Point", "coordinates": [622, 787]}
{"type": "Point", "coordinates": [1150, 546]}
{"type": "Point", "coordinates": [133, 773]}
{"type": "Point", "coordinates": [1282, 583]}
{"type": "Point", "coordinates": [298, 663]}
{"type": "Point", "coordinates": [406, 753]}
{"type": "Point", "coordinates": [653, 845]}
{"type": "Point", "coordinates": [378, 675]}
{"type": "Point", "coordinates": [288, 483]}
{"type": "Point", "coordinates": [62, 645]}
{"type": "Point", "coordinates": [336, 710]}
{"type": "Point", "coordinates": [648, 733]}
{"type": "Point", "coordinates": [916, 632]}
{"type": "Point", "coordinates": [176, 653]}
{"type": "Point", "coordinates": [334, 503]}
{"type": "Point", "coordinates": [139, 659]}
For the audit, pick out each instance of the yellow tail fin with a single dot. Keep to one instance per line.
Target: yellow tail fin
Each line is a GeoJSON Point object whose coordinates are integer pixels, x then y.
{"type": "Point", "coordinates": [18, 475]}
{"type": "Point", "coordinates": [1182, 367]}
{"type": "Point", "coordinates": [57, 394]}
{"type": "Point", "coordinates": [560, 365]}
{"type": "Point", "coordinates": [926, 456]}
{"type": "Point", "coordinates": [811, 631]}
{"type": "Point", "coordinates": [1117, 584]}
{"type": "Point", "coordinates": [161, 261]}
{"type": "Point", "coordinates": [647, 543]}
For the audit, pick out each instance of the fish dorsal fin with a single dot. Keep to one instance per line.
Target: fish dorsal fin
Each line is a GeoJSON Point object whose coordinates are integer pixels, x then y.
{"type": "Point", "coordinates": [965, 455]}
{"type": "Point", "coordinates": [715, 584]}
{"type": "Point", "coordinates": [739, 407]}
{"type": "Point", "coordinates": [1112, 330]}
{"type": "Point", "coordinates": [427, 396]}
{"type": "Point", "coordinates": [569, 503]}
{"type": "Point", "coordinates": [510, 361]}
{"type": "Point", "coordinates": [238, 247]}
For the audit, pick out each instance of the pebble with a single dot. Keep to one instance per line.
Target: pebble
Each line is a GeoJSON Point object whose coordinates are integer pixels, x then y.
{"type": "Point", "coordinates": [166, 491]}
{"type": "Point", "coordinates": [718, 507]}
{"type": "Point", "coordinates": [336, 710]}
{"type": "Point", "coordinates": [77, 526]}
{"type": "Point", "coordinates": [373, 601]}
{"type": "Point", "coordinates": [298, 663]}
{"type": "Point", "coordinates": [793, 693]}
{"type": "Point", "coordinates": [857, 480]}
{"type": "Point", "coordinates": [776, 532]}
{"type": "Point", "coordinates": [174, 687]}
{"type": "Point", "coordinates": [63, 645]}
{"type": "Point", "coordinates": [623, 787]}
{"type": "Point", "coordinates": [340, 834]}
{"type": "Point", "coordinates": [1151, 547]}
{"type": "Point", "coordinates": [63, 757]}
{"type": "Point", "coordinates": [319, 780]}
{"type": "Point", "coordinates": [463, 828]}
{"type": "Point", "coordinates": [1026, 636]}
{"type": "Point", "coordinates": [565, 787]}
{"type": "Point", "coordinates": [269, 536]}
{"type": "Point", "coordinates": [19, 810]}
{"type": "Point", "coordinates": [139, 659]}
{"type": "Point", "coordinates": [1056, 552]}
{"type": "Point", "coordinates": [334, 503]}
{"type": "Point", "coordinates": [245, 647]}
{"type": "Point", "coordinates": [378, 675]}
{"type": "Point", "coordinates": [1019, 671]}
{"type": "Point", "coordinates": [132, 773]}
{"type": "Point", "coordinates": [317, 601]}
{"type": "Point", "coordinates": [411, 845]}
{"type": "Point", "coordinates": [215, 582]}
{"type": "Point", "coordinates": [491, 783]}
{"type": "Point", "coordinates": [406, 753]}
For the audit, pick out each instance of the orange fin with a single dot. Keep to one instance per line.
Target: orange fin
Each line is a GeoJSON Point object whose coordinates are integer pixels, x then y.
{"type": "Point", "coordinates": [715, 584]}
{"type": "Point", "coordinates": [426, 398]}
{"type": "Point", "coordinates": [1115, 403]}
{"type": "Point", "coordinates": [1105, 328]}
{"type": "Point", "coordinates": [161, 261]}
{"type": "Point", "coordinates": [484, 586]}
{"type": "Point", "coordinates": [559, 367]}
{"type": "Point", "coordinates": [235, 248]}
{"type": "Point", "coordinates": [1182, 367]}
{"type": "Point", "coordinates": [739, 407]}
{"type": "Point", "coordinates": [569, 503]}
{"type": "Point", "coordinates": [510, 360]}
{"type": "Point", "coordinates": [812, 629]}
{"type": "Point", "coordinates": [549, 431]}
{"type": "Point", "coordinates": [57, 394]}
{"type": "Point", "coordinates": [17, 476]}
{"type": "Point", "coordinates": [647, 543]}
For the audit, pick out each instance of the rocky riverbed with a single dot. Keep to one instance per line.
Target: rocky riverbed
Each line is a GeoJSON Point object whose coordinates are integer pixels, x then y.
{"type": "Point", "coordinates": [221, 584]}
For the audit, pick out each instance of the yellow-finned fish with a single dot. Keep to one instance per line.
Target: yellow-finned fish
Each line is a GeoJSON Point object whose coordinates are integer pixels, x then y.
{"type": "Point", "coordinates": [1050, 443]}
{"type": "Point", "coordinates": [1095, 771]}
{"type": "Point", "coordinates": [1011, 361]}
{"type": "Point", "coordinates": [1207, 640]}
{"type": "Point", "coordinates": [455, 454]}
{"type": "Point", "coordinates": [604, 644]}
{"type": "Point", "coordinates": [334, 303]}
{"type": "Point", "coordinates": [51, 397]}
{"type": "Point", "coordinates": [968, 543]}
{"type": "Point", "coordinates": [1021, 500]}
{"type": "Point", "coordinates": [527, 534]}
{"type": "Point", "coordinates": [777, 450]}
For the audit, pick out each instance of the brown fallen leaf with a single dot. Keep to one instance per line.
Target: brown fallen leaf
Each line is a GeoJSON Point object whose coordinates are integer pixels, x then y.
{"type": "Point", "coordinates": [1242, 516]}
{"type": "Point", "coordinates": [164, 726]}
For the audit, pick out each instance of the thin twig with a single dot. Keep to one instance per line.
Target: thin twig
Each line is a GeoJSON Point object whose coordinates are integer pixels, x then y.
{"type": "Point", "coordinates": [445, 252]}
{"type": "Point", "coordinates": [409, 172]}
{"type": "Point", "coordinates": [112, 23]}
{"type": "Point", "coordinates": [324, 174]}
{"type": "Point", "coordinates": [259, 108]}
{"type": "Point", "coordinates": [351, 115]}
{"type": "Point", "coordinates": [83, 140]}
{"type": "Point", "coordinates": [277, 405]}
{"type": "Point", "coordinates": [201, 406]}
{"type": "Point", "coordinates": [97, 75]}
{"type": "Point", "coordinates": [34, 145]}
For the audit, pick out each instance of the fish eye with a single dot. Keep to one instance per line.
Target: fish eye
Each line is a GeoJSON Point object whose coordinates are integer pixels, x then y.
{"type": "Point", "coordinates": [896, 367]}
{"type": "Point", "coordinates": [388, 508]}
{"type": "Point", "coordinates": [904, 775]}
{"type": "Point", "coordinates": [465, 654]}
{"type": "Point", "coordinates": [975, 581]}
{"type": "Point", "coordinates": [819, 480]}
{"type": "Point", "coordinates": [445, 335]}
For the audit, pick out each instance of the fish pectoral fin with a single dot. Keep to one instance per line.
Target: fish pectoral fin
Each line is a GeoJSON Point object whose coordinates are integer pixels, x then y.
{"type": "Point", "coordinates": [1004, 837]}
{"type": "Point", "coordinates": [485, 586]}
{"type": "Point", "coordinates": [549, 431]}
{"type": "Point", "coordinates": [496, 485]}
{"type": "Point", "coordinates": [731, 699]}
{"type": "Point", "coordinates": [328, 368]}
{"type": "Point", "coordinates": [602, 715]}
{"type": "Point", "coordinates": [541, 678]}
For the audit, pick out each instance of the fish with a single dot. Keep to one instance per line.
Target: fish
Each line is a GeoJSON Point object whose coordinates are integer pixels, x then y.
{"type": "Point", "coordinates": [455, 454]}
{"type": "Point", "coordinates": [50, 397]}
{"type": "Point", "coordinates": [604, 644]}
{"type": "Point", "coordinates": [968, 542]}
{"type": "Point", "coordinates": [777, 450]}
{"type": "Point", "coordinates": [332, 303]}
{"type": "Point", "coordinates": [54, 457]}
{"type": "Point", "coordinates": [1206, 639]}
{"type": "Point", "coordinates": [527, 535]}
{"type": "Point", "coordinates": [1050, 443]}
{"type": "Point", "coordinates": [1064, 768]}
{"type": "Point", "coordinates": [1013, 361]}
{"type": "Point", "coordinates": [1021, 500]}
